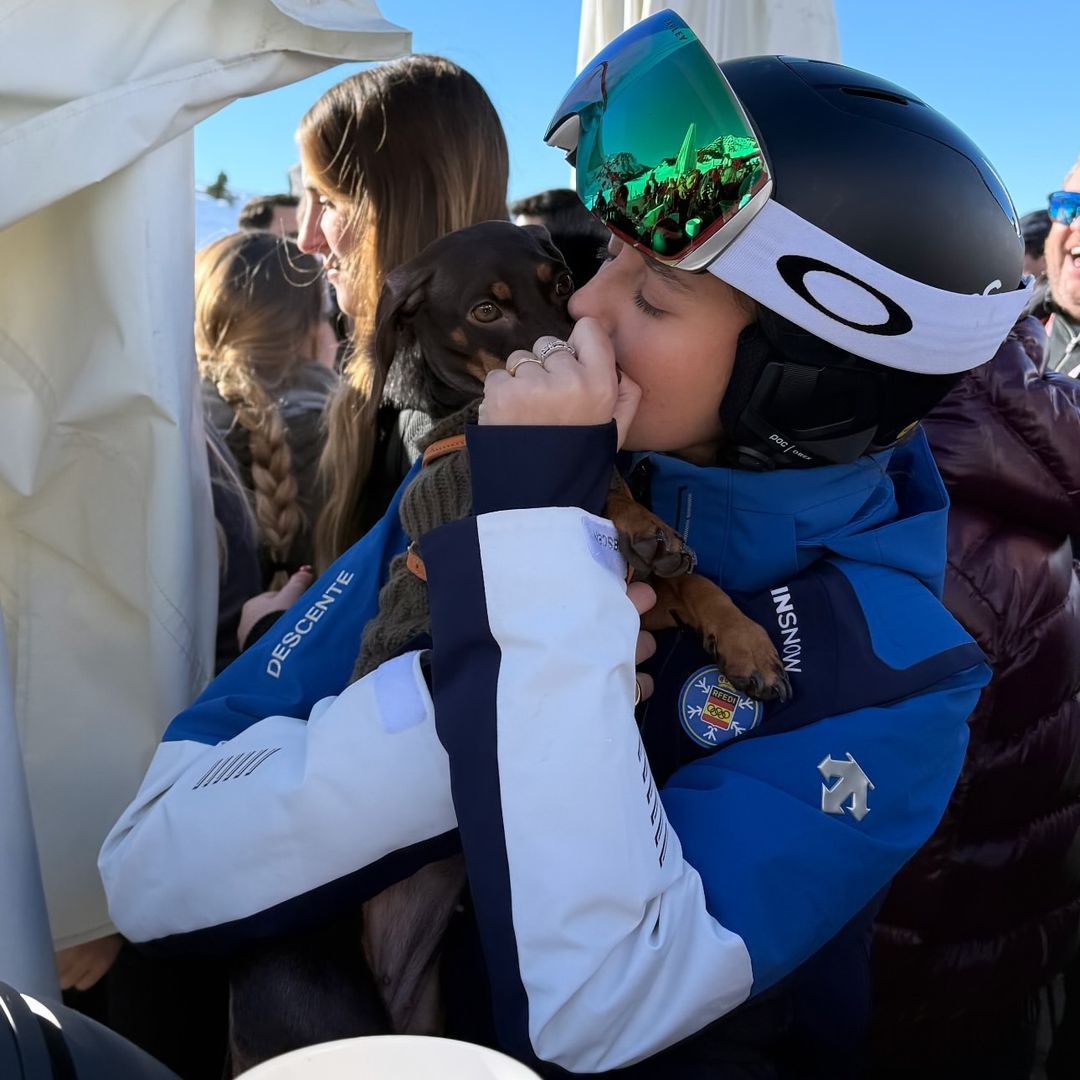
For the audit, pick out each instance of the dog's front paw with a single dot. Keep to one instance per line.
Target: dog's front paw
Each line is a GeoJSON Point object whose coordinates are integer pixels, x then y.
{"type": "Point", "coordinates": [658, 550]}
{"type": "Point", "coordinates": [746, 655]}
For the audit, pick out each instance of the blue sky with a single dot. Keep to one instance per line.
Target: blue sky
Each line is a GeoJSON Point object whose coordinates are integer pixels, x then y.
{"type": "Point", "coordinates": [981, 62]}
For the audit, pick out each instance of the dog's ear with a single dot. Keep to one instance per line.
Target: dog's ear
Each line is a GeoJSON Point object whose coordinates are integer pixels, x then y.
{"type": "Point", "coordinates": [543, 238]}
{"type": "Point", "coordinates": [403, 294]}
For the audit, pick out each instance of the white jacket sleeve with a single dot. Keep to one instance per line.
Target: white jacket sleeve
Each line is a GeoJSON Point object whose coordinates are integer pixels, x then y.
{"type": "Point", "coordinates": [231, 840]}
{"type": "Point", "coordinates": [598, 941]}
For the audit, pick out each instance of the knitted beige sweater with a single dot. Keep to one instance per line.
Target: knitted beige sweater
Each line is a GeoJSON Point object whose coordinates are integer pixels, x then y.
{"type": "Point", "coordinates": [440, 493]}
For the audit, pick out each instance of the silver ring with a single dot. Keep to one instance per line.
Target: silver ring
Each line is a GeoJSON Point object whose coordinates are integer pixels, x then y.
{"type": "Point", "coordinates": [525, 360]}
{"type": "Point", "coordinates": [551, 346]}
{"type": "Point", "coordinates": [637, 692]}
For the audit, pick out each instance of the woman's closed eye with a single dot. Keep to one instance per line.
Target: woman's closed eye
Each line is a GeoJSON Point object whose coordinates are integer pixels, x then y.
{"type": "Point", "coordinates": [646, 307]}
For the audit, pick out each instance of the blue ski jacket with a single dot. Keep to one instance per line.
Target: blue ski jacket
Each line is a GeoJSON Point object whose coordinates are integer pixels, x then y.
{"type": "Point", "coordinates": [639, 882]}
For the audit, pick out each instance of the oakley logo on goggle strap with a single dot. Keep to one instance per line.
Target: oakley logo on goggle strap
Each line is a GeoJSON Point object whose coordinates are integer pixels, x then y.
{"type": "Point", "coordinates": [838, 294]}
{"type": "Point", "coordinates": [1064, 206]}
{"type": "Point", "coordinates": [794, 268]}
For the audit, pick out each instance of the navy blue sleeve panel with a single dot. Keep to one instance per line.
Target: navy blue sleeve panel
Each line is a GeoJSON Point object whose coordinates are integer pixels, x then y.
{"type": "Point", "coordinates": [310, 651]}
{"type": "Point", "coordinates": [464, 681]}
{"type": "Point", "coordinates": [794, 832]}
{"type": "Point", "coordinates": [851, 635]}
{"type": "Point", "coordinates": [598, 943]}
{"type": "Point", "coordinates": [518, 468]}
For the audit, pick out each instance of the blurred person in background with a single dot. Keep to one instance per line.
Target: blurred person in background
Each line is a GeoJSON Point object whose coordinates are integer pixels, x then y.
{"type": "Point", "coordinates": [574, 231]}
{"type": "Point", "coordinates": [1033, 228]}
{"type": "Point", "coordinates": [979, 928]}
{"type": "Point", "coordinates": [259, 305]}
{"type": "Point", "coordinates": [273, 213]}
{"type": "Point", "coordinates": [393, 158]}
{"type": "Point", "coordinates": [1058, 305]}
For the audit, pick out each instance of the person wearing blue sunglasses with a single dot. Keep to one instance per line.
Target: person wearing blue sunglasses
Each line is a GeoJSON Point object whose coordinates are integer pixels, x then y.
{"type": "Point", "coordinates": [1062, 250]}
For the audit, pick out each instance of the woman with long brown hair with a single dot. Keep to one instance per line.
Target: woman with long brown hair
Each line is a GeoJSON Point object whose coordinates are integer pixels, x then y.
{"type": "Point", "coordinates": [393, 158]}
{"type": "Point", "coordinates": [258, 307]}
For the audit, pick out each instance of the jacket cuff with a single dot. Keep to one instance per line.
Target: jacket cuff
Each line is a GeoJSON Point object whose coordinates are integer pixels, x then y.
{"type": "Point", "coordinates": [521, 468]}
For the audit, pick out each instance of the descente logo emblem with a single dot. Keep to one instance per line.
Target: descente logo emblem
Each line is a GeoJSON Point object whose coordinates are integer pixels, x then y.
{"type": "Point", "coordinates": [794, 268]}
{"type": "Point", "coordinates": [306, 623]}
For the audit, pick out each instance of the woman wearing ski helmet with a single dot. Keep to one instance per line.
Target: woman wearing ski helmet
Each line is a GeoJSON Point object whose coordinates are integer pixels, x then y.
{"type": "Point", "coordinates": [871, 257]}
{"type": "Point", "coordinates": [765, 338]}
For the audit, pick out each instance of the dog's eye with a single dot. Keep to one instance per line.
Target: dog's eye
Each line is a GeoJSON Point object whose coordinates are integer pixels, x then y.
{"type": "Point", "coordinates": [564, 285]}
{"type": "Point", "coordinates": [485, 311]}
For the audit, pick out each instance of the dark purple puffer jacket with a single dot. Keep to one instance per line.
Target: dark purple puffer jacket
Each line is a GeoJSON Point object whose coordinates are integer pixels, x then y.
{"type": "Point", "coordinates": [989, 910]}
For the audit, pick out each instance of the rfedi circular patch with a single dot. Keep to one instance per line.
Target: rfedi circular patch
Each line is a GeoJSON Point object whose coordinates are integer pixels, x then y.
{"type": "Point", "coordinates": [713, 711]}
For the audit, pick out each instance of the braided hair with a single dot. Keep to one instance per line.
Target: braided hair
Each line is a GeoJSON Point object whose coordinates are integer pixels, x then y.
{"type": "Point", "coordinates": [258, 303]}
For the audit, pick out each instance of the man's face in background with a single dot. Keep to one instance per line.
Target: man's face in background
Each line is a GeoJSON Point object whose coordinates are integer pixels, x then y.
{"type": "Point", "coordinates": [1062, 265]}
{"type": "Point", "coordinates": [284, 221]}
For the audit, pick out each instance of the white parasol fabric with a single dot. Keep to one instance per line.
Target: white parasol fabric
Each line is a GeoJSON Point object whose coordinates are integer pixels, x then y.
{"type": "Point", "coordinates": [727, 28]}
{"type": "Point", "coordinates": [108, 560]}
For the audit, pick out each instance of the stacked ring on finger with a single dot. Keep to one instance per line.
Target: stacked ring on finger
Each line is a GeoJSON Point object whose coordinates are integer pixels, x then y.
{"type": "Point", "coordinates": [524, 360]}
{"type": "Point", "coordinates": [552, 346]}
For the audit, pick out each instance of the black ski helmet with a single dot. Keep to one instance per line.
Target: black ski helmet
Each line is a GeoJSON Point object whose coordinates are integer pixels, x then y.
{"type": "Point", "coordinates": [876, 168]}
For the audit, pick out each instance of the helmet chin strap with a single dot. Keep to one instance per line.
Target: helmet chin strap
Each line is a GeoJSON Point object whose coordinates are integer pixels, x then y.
{"type": "Point", "coordinates": [752, 352]}
{"type": "Point", "coordinates": [780, 413]}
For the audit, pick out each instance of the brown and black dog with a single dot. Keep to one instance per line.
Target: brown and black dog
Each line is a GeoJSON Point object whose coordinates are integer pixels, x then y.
{"type": "Point", "coordinates": [443, 321]}
{"type": "Point", "coordinates": [446, 319]}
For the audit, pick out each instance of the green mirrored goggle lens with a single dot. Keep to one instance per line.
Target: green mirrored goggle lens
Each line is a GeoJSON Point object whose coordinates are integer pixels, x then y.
{"type": "Point", "coordinates": [665, 155]}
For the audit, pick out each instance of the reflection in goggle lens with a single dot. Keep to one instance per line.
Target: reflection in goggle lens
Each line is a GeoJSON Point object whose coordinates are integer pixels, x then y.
{"type": "Point", "coordinates": [665, 156]}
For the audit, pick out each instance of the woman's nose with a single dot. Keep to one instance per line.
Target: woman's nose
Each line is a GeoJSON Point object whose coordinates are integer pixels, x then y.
{"type": "Point", "coordinates": [584, 301]}
{"type": "Point", "coordinates": [593, 298]}
{"type": "Point", "coordinates": [309, 237]}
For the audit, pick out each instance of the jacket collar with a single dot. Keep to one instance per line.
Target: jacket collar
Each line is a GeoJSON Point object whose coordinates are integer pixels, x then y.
{"type": "Point", "coordinates": [755, 530]}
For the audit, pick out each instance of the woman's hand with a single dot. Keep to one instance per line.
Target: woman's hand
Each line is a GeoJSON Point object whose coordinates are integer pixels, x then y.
{"type": "Point", "coordinates": [644, 599]}
{"type": "Point", "coordinates": [275, 600]}
{"type": "Point", "coordinates": [566, 390]}
{"type": "Point", "coordinates": [80, 967]}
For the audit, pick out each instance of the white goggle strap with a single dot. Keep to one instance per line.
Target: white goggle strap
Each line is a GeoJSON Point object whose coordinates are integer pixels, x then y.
{"type": "Point", "coordinates": [841, 296]}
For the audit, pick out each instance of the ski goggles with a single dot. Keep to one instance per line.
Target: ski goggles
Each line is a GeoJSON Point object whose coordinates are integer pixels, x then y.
{"type": "Point", "coordinates": [666, 156]}
{"type": "Point", "coordinates": [1064, 206]}
{"type": "Point", "coordinates": [668, 159]}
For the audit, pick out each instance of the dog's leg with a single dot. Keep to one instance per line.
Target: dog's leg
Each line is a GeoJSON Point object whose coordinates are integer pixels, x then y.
{"type": "Point", "coordinates": [650, 545]}
{"type": "Point", "coordinates": [741, 648]}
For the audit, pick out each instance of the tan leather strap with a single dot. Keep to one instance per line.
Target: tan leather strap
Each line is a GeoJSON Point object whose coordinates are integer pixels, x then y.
{"type": "Point", "coordinates": [436, 450]}
{"type": "Point", "coordinates": [414, 563]}
{"type": "Point", "coordinates": [443, 447]}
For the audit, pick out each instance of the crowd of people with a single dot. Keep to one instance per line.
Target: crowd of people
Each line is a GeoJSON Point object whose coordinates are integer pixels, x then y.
{"type": "Point", "coordinates": [772, 936]}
